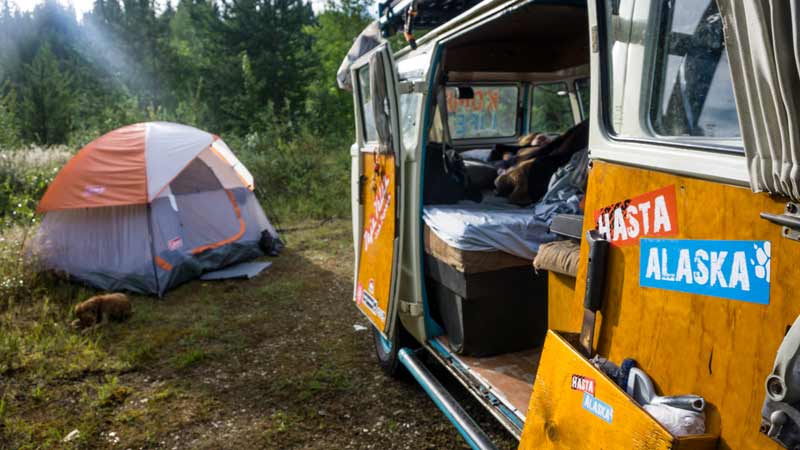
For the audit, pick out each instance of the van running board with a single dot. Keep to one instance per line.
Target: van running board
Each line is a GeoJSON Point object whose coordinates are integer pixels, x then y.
{"type": "Point", "coordinates": [469, 430]}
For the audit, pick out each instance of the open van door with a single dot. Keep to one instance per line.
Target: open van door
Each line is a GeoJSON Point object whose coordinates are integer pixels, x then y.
{"type": "Point", "coordinates": [375, 177]}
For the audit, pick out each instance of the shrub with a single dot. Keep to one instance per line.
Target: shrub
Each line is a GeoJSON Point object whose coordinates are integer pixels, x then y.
{"type": "Point", "coordinates": [24, 177]}
{"type": "Point", "coordinates": [297, 175]}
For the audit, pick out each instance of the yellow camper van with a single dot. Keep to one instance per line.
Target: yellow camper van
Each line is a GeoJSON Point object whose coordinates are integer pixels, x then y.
{"type": "Point", "coordinates": [585, 211]}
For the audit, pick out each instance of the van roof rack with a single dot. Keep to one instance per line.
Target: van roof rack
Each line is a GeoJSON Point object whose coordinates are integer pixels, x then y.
{"type": "Point", "coordinates": [430, 13]}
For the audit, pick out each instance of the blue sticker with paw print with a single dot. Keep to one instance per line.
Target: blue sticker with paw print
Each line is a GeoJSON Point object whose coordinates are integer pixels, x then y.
{"type": "Point", "coordinates": [737, 270]}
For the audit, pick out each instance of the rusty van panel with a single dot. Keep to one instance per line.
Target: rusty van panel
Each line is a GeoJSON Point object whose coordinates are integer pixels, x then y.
{"type": "Point", "coordinates": [712, 346]}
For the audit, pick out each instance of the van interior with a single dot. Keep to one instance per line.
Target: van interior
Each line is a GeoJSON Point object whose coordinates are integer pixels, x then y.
{"type": "Point", "coordinates": [514, 96]}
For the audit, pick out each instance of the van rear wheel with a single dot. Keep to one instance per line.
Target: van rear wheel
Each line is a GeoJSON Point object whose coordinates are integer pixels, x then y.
{"type": "Point", "coordinates": [386, 350]}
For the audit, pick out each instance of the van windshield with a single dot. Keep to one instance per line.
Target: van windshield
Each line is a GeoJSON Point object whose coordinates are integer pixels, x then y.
{"type": "Point", "coordinates": [490, 113]}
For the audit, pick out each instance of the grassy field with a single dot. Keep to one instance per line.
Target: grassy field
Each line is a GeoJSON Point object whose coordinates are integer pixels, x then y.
{"type": "Point", "coordinates": [273, 362]}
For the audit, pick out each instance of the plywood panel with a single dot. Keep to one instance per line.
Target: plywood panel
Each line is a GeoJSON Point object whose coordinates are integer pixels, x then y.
{"type": "Point", "coordinates": [561, 312]}
{"type": "Point", "coordinates": [559, 416]}
{"type": "Point", "coordinates": [512, 374]}
{"type": "Point", "coordinates": [373, 285]}
{"type": "Point", "coordinates": [718, 348]}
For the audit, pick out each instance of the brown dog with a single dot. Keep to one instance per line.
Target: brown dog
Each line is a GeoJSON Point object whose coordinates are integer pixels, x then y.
{"type": "Point", "coordinates": [101, 308]}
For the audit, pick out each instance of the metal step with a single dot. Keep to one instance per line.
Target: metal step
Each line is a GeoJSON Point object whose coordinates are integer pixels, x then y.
{"type": "Point", "coordinates": [469, 430]}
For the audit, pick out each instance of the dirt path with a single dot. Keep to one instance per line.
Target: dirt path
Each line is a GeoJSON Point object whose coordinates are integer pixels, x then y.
{"type": "Point", "coordinates": [273, 362]}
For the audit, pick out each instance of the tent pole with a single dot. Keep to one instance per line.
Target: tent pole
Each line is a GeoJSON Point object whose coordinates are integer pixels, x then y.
{"type": "Point", "coordinates": [152, 249]}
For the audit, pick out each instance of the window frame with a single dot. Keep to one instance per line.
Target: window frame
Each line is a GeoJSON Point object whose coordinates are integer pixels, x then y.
{"type": "Point", "coordinates": [361, 104]}
{"type": "Point", "coordinates": [517, 120]}
{"type": "Point", "coordinates": [584, 112]}
{"type": "Point", "coordinates": [711, 144]}
{"type": "Point", "coordinates": [566, 82]}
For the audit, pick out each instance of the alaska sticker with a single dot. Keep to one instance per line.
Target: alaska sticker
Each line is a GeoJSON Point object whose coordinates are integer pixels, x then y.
{"type": "Point", "coordinates": [598, 408]}
{"type": "Point", "coordinates": [581, 383]}
{"type": "Point", "coordinates": [372, 305]}
{"type": "Point", "coordinates": [737, 270]}
{"type": "Point", "coordinates": [652, 214]}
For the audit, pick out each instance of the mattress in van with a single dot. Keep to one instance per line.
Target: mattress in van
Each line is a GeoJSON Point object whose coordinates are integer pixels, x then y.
{"type": "Point", "coordinates": [468, 261]}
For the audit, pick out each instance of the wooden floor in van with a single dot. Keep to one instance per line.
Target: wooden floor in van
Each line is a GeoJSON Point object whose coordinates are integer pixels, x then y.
{"type": "Point", "coordinates": [511, 375]}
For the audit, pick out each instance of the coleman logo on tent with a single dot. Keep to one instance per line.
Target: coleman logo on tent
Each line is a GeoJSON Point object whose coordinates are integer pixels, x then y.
{"type": "Point", "coordinates": [651, 214]}
{"type": "Point", "coordinates": [93, 190]}
{"type": "Point", "coordinates": [737, 270]}
{"type": "Point", "coordinates": [175, 243]}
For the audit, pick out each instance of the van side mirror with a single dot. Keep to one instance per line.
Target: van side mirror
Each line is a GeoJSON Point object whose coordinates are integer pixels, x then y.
{"type": "Point", "coordinates": [465, 93]}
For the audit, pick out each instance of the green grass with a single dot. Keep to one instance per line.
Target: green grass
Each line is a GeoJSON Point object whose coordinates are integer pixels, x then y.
{"type": "Point", "coordinates": [167, 367]}
{"type": "Point", "coordinates": [159, 371]}
{"type": "Point", "coordinates": [189, 358]}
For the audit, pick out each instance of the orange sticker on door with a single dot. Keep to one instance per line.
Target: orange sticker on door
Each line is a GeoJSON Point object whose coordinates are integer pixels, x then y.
{"type": "Point", "coordinates": [654, 214]}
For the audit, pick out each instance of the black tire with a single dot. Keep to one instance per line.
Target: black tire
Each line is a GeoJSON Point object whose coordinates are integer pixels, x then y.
{"type": "Point", "coordinates": [386, 351]}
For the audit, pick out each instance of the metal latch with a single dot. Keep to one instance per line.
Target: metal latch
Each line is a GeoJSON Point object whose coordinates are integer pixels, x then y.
{"type": "Point", "coordinates": [790, 220]}
{"type": "Point", "coordinates": [412, 309]}
{"type": "Point", "coordinates": [410, 87]}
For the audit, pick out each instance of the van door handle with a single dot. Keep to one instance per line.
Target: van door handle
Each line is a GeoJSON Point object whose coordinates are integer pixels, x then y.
{"type": "Point", "coordinates": [789, 220]}
{"type": "Point", "coordinates": [792, 222]}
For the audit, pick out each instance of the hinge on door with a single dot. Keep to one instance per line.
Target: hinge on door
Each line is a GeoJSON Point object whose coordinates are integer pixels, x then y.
{"type": "Point", "coordinates": [409, 87]}
{"type": "Point", "coordinates": [413, 309]}
{"type": "Point", "coordinates": [362, 180]}
{"type": "Point", "coordinates": [595, 42]}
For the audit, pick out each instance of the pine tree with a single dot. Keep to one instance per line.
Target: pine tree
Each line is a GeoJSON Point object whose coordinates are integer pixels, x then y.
{"type": "Point", "coordinates": [47, 102]}
{"type": "Point", "coordinates": [333, 35]}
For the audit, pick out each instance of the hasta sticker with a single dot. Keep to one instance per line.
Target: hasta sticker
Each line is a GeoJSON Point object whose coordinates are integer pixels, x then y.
{"type": "Point", "coordinates": [652, 214]}
{"type": "Point", "coordinates": [581, 383]}
{"type": "Point", "coordinates": [737, 270]}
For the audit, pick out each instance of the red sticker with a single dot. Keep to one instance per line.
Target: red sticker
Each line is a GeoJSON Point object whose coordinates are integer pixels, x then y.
{"type": "Point", "coordinates": [654, 214]}
{"type": "Point", "coordinates": [583, 384]}
{"type": "Point", "coordinates": [359, 294]}
{"type": "Point", "coordinates": [175, 243]}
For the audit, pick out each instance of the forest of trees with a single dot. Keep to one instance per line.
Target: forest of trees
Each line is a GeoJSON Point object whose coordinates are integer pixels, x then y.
{"type": "Point", "coordinates": [232, 67]}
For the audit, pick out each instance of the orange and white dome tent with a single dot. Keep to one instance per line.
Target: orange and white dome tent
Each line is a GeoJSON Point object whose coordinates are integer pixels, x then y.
{"type": "Point", "coordinates": [149, 206]}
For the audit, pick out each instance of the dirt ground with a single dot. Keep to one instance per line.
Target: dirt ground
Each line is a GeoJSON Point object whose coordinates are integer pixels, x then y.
{"type": "Point", "coordinates": [273, 362]}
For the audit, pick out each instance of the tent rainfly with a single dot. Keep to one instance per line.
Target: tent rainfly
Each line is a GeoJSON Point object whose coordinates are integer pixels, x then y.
{"type": "Point", "coordinates": [149, 206]}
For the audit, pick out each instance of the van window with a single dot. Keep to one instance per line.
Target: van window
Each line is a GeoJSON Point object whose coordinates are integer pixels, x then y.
{"type": "Point", "coordinates": [409, 119]}
{"type": "Point", "coordinates": [693, 94]}
{"type": "Point", "coordinates": [491, 113]}
{"type": "Point", "coordinates": [551, 110]}
{"type": "Point", "coordinates": [686, 84]}
{"type": "Point", "coordinates": [582, 89]}
{"type": "Point", "coordinates": [367, 111]}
